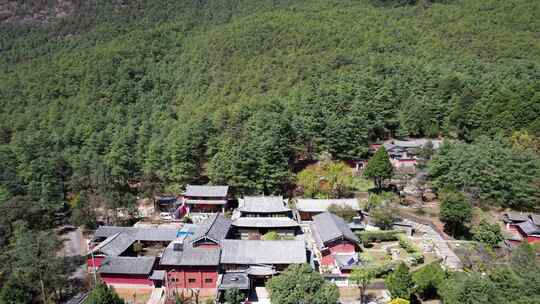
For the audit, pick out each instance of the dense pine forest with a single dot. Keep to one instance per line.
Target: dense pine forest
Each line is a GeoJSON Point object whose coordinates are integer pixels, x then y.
{"type": "Point", "coordinates": [239, 91]}
{"type": "Point", "coordinates": [97, 96]}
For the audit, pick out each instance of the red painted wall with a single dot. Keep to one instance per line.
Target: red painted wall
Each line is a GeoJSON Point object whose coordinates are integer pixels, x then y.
{"type": "Point", "coordinates": [205, 208]}
{"type": "Point", "coordinates": [206, 245]}
{"type": "Point", "coordinates": [126, 279]}
{"type": "Point", "coordinates": [533, 239]}
{"type": "Point", "coordinates": [327, 260]}
{"type": "Point", "coordinates": [191, 277]}
{"type": "Point", "coordinates": [98, 260]}
{"type": "Point", "coordinates": [307, 216]}
{"type": "Point", "coordinates": [343, 247]}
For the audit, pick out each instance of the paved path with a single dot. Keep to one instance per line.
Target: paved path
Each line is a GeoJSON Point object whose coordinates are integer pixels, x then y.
{"type": "Point", "coordinates": [259, 296]}
{"type": "Point", "coordinates": [449, 258]}
{"type": "Point", "coordinates": [73, 243]}
{"type": "Point", "coordinates": [155, 297]}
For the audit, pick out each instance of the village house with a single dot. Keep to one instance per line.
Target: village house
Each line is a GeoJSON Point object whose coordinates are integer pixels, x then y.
{"type": "Point", "coordinates": [263, 206]}
{"type": "Point", "coordinates": [259, 260]}
{"type": "Point", "coordinates": [113, 241]}
{"type": "Point", "coordinates": [233, 280]}
{"type": "Point", "coordinates": [118, 271]}
{"type": "Point", "coordinates": [404, 153]}
{"type": "Point", "coordinates": [206, 199]}
{"type": "Point", "coordinates": [259, 215]}
{"type": "Point", "coordinates": [522, 226]}
{"type": "Point", "coordinates": [307, 208]}
{"type": "Point", "coordinates": [193, 261]}
{"type": "Point", "coordinates": [336, 246]}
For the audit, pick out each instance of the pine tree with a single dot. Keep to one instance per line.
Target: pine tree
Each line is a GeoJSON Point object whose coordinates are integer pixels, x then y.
{"type": "Point", "coordinates": [102, 294]}
{"type": "Point", "coordinates": [400, 283]}
{"type": "Point", "coordinates": [379, 168]}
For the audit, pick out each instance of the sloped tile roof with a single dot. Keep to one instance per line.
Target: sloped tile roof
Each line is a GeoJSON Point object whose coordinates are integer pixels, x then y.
{"type": "Point", "coordinates": [190, 256]}
{"type": "Point", "coordinates": [329, 227]}
{"type": "Point", "coordinates": [535, 218]}
{"type": "Point", "coordinates": [215, 228]}
{"type": "Point", "coordinates": [238, 280]}
{"type": "Point", "coordinates": [115, 245]}
{"type": "Point", "coordinates": [139, 233]}
{"type": "Point", "coordinates": [262, 204]}
{"type": "Point", "coordinates": [321, 205]}
{"type": "Point", "coordinates": [513, 216]}
{"type": "Point", "coordinates": [529, 228]}
{"type": "Point", "coordinates": [127, 265]}
{"type": "Point", "coordinates": [265, 222]}
{"type": "Point", "coordinates": [206, 191]}
{"type": "Point", "coordinates": [251, 252]}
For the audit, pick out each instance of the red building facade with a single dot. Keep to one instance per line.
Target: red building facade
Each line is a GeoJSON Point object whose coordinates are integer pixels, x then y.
{"type": "Point", "coordinates": [192, 277]}
{"type": "Point", "coordinates": [126, 279]}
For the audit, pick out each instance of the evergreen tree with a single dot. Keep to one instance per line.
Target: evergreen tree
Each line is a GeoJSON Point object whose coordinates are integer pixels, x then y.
{"type": "Point", "coordinates": [456, 211]}
{"type": "Point", "coordinates": [234, 296]}
{"type": "Point", "coordinates": [102, 294]}
{"type": "Point", "coordinates": [379, 168]}
{"type": "Point", "coordinates": [299, 283]}
{"type": "Point", "coordinates": [362, 276]}
{"type": "Point", "coordinates": [399, 282]}
{"type": "Point", "coordinates": [486, 233]}
{"type": "Point", "coordinates": [428, 279]}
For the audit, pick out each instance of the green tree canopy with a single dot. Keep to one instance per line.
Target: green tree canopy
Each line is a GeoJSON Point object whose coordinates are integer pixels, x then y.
{"type": "Point", "coordinates": [399, 282]}
{"type": "Point", "coordinates": [428, 279]}
{"type": "Point", "coordinates": [379, 168]}
{"type": "Point", "coordinates": [486, 233]}
{"type": "Point", "coordinates": [346, 212]}
{"type": "Point", "coordinates": [490, 170]}
{"type": "Point", "coordinates": [102, 294]}
{"type": "Point", "coordinates": [455, 211]}
{"type": "Point", "coordinates": [299, 283]}
{"type": "Point", "coordinates": [234, 296]}
{"type": "Point", "coordinates": [362, 276]}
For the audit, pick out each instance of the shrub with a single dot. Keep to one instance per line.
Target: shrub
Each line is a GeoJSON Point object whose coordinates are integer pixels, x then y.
{"type": "Point", "coordinates": [489, 234]}
{"type": "Point", "coordinates": [379, 236]}
{"type": "Point", "coordinates": [411, 248]}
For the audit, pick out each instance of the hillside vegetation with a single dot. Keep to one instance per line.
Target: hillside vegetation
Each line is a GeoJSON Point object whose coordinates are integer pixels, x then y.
{"type": "Point", "coordinates": [97, 96]}
{"type": "Point", "coordinates": [240, 91]}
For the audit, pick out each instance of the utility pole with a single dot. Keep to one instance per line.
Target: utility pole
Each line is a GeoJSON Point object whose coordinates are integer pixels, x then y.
{"type": "Point", "coordinates": [94, 267]}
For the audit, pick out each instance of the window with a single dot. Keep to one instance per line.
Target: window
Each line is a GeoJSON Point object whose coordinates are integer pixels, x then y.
{"type": "Point", "coordinates": [208, 280]}
{"type": "Point", "coordinates": [192, 280]}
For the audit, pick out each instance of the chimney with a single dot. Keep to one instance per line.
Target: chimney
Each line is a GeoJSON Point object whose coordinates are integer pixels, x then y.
{"type": "Point", "coordinates": [178, 246]}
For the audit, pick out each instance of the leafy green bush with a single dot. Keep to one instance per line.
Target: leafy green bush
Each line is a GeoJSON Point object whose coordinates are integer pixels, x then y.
{"type": "Point", "coordinates": [368, 237]}
{"type": "Point", "coordinates": [415, 252]}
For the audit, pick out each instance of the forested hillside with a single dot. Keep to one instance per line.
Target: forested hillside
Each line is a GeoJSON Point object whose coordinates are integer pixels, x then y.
{"type": "Point", "coordinates": [239, 91]}
{"type": "Point", "coordinates": [104, 101]}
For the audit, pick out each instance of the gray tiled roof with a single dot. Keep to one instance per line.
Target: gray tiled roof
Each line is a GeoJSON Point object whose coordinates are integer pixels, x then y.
{"type": "Point", "coordinates": [265, 222]}
{"type": "Point", "coordinates": [206, 191]}
{"type": "Point", "coordinates": [512, 216]}
{"type": "Point", "coordinates": [138, 233]}
{"type": "Point", "coordinates": [535, 218]}
{"type": "Point", "coordinates": [529, 228]}
{"type": "Point", "coordinates": [158, 275]}
{"type": "Point", "coordinates": [417, 143]}
{"type": "Point", "coordinates": [251, 252]}
{"type": "Point", "coordinates": [214, 228]}
{"type": "Point", "coordinates": [127, 265]}
{"type": "Point", "coordinates": [262, 204]}
{"type": "Point", "coordinates": [115, 245]}
{"type": "Point", "coordinates": [238, 280]}
{"type": "Point", "coordinates": [321, 205]}
{"type": "Point", "coordinates": [346, 261]}
{"type": "Point", "coordinates": [330, 227]}
{"type": "Point", "coordinates": [205, 202]}
{"type": "Point", "coordinates": [190, 256]}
